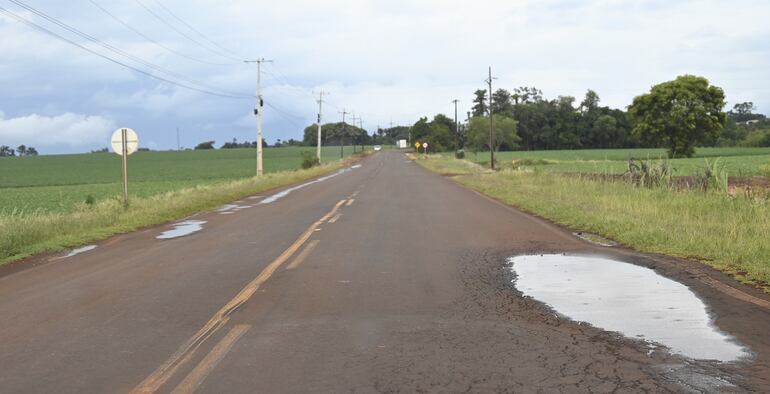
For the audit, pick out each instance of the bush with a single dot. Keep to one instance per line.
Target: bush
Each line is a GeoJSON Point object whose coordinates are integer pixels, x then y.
{"type": "Point", "coordinates": [309, 159]}
{"type": "Point", "coordinates": [90, 200]}
{"type": "Point", "coordinates": [460, 154]}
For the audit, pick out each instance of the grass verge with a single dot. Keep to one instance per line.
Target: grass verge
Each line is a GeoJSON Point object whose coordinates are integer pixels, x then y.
{"type": "Point", "coordinates": [729, 233]}
{"type": "Point", "coordinates": [23, 235]}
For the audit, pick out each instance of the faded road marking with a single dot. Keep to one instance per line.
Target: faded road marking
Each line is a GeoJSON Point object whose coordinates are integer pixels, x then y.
{"type": "Point", "coordinates": [194, 379]}
{"type": "Point", "coordinates": [277, 196]}
{"type": "Point", "coordinates": [303, 254]}
{"type": "Point", "coordinates": [335, 218]}
{"type": "Point", "coordinates": [185, 352]}
{"type": "Point", "coordinates": [350, 202]}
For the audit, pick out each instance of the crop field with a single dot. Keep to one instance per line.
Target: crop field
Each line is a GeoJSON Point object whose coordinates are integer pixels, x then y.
{"type": "Point", "coordinates": [58, 183]}
{"type": "Point", "coordinates": [737, 161]}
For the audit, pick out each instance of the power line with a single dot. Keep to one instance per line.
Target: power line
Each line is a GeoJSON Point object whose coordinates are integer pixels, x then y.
{"type": "Point", "coordinates": [118, 62]}
{"type": "Point", "coordinates": [183, 34]}
{"type": "Point", "coordinates": [173, 15]}
{"type": "Point", "coordinates": [118, 50]}
{"type": "Point", "coordinates": [157, 43]}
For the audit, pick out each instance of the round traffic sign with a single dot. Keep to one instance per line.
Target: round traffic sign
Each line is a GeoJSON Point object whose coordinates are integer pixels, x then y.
{"type": "Point", "coordinates": [132, 141]}
{"type": "Point", "coordinates": [424, 144]}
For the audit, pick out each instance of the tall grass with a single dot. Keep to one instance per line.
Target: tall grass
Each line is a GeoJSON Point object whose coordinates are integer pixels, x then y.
{"type": "Point", "coordinates": [730, 233]}
{"type": "Point", "coordinates": [26, 233]}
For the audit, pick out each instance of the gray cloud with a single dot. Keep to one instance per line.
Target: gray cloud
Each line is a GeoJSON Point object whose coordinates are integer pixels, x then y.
{"type": "Point", "coordinates": [386, 60]}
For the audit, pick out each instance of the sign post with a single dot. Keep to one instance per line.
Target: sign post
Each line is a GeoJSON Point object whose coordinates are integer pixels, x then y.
{"type": "Point", "coordinates": [417, 146]}
{"type": "Point", "coordinates": [125, 142]}
{"type": "Point", "coordinates": [425, 147]}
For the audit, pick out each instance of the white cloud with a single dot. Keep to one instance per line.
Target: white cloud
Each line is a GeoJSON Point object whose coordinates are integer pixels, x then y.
{"type": "Point", "coordinates": [384, 59]}
{"type": "Point", "coordinates": [67, 129]}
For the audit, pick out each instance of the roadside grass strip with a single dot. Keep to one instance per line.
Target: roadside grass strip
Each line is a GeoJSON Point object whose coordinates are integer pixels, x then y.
{"type": "Point", "coordinates": [26, 234]}
{"type": "Point", "coordinates": [729, 233]}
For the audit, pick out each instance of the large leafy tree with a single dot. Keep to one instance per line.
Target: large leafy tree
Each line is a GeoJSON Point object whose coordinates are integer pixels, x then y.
{"type": "Point", "coordinates": [505, 133]}
{"type": "Point", "coordinates": [333, 134]}
{"type": "Point", "coordinates": [679, 114]}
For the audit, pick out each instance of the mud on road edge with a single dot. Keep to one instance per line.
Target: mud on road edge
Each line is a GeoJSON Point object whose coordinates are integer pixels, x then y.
{"type": "Point", "coordinates": [489, 282]}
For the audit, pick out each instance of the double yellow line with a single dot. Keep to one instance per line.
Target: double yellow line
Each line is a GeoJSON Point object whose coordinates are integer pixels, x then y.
{"type": "Point", "coordinates": [186, 352]}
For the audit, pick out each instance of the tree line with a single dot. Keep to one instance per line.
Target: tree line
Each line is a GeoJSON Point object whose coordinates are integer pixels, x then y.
{"type": "Point", "coordinates": [21, 150]}
{"type": "Point", "coordinates": [679, 115]}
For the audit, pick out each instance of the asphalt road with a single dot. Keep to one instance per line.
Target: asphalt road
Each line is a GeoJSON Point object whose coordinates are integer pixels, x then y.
{"type": "Point", "coordinates": [384, 278]}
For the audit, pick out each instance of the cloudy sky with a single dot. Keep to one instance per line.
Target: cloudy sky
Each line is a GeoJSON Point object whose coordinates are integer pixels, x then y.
{"type": "Point", "coordinates": [385, 60]}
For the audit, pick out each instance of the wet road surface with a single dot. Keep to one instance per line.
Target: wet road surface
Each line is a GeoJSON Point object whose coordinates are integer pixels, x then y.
{"type": "Point", "coordinates": [383, 278]}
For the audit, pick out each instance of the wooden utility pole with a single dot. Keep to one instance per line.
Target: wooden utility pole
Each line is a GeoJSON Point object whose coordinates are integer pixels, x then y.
{"type": "Point", "coordinates": [491, 128]}
{"type": "Point", "coordinates": [457, 125]}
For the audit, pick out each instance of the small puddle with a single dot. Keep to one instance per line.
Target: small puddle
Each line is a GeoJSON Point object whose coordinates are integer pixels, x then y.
{"type": "Point", "coordinates": [229, 209]}
{"type": "Point", "coordinates": [182, 228]}
{"type": "Point", "coordinates": [626, 298]}
{"type": "Point", "coordinates": [78, 251]}
{"type": "Point", "coordinates": [277, 196]}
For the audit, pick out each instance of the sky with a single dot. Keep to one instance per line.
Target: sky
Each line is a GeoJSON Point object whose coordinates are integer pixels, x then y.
{"type": "Point", "coordinates": [382, 60]}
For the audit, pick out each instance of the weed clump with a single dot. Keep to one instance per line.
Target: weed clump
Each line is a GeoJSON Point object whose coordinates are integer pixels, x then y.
{"type": "Point", "coordinates": [713, 177]}
{"type": "Point", "coordinates": [309, 160]}
{"type": "Point", "coordinates": [650, 174]}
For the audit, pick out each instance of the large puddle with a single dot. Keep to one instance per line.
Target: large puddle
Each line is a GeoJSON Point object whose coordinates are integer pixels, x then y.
{"type": "Point", "coordinates": [182, 228]}
{"type": "Point", "coordinates": [626, 298]}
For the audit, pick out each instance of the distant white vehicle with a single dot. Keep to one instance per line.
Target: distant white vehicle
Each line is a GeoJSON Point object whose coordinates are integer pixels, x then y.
{"type": "Point", "coordinates": [377, 148]}
{"type": "Point", "coordinates": [401, 144]}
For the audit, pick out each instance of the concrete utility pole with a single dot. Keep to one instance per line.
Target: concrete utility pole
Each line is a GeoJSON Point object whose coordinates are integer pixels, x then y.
{"type": "Point", "coordinates": [491, 129]}
{"type": "Point", "coordinates": [457, 125]}
{"type": "Point", "coordinates": [320, 112]}
{"type": "Point", "coordinates": [343, 112]}
{"type": "Point", "coordinates": [258, 111]}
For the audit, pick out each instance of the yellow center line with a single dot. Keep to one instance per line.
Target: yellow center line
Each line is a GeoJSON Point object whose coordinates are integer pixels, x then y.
{"type": "Point", "coordinates": [303, 254]}
{"type": "Point", "coordinates": [335, 218]}
{"type": "Point", "coordinates": [194, 379]}
{"type": "Point", "coordinates": [350, 202]}
{"type": "Point", "coordinates": [153, 382]}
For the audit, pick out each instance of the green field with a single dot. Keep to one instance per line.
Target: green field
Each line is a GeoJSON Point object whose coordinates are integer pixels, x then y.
{"type": "Point", "coordinates": [58, 183]}
{"type": "Point", "coordinates": [737, 161]}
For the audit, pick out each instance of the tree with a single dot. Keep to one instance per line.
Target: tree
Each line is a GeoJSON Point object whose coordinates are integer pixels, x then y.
{"type": "Point", "coordinates": [501, 103]}
{"type": "Point", "coordinates": [526, 95]}
{"type": "Point", "coordinates": [505, 133]}
{"type": "Point", "coordinates": [31, 151]}
{"type": "Point", "coordinates": [205, 145]}
{"type": "Point", "coordinates": [6, 151]}
{"type": "Point", "coordinates": [604, 130]}
{"type": "Point", "coordinates": [21, 150]}
{"type": "Point", "coordinates": [480, 106]}
{"type": "Point", "coordinates": [679, 114]}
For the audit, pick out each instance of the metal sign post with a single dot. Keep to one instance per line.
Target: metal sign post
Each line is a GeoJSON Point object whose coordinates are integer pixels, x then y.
{"type": "Point", "coordinates": [425, 148]}
{"type": "Point", "coordinates": [125, 142]}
